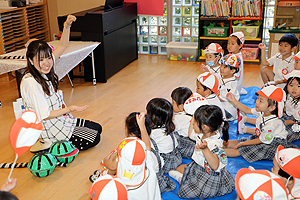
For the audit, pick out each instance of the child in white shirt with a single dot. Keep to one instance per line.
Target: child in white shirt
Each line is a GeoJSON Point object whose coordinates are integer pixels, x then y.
{"type": "Point", "coordinates": [213, 54]}
{"type": "Point", "coordinates": [270, 131]}
{"type": "Point", "coordinates": [182, 121]}
{"type": "Point", "coordinates": [283, 62]}
{"type": "Point", "coordinates": [235, 43]}
{"type": "Point", "coordinates": [206, 176]}
{"type": "Point", "coordinates": [229, 67]}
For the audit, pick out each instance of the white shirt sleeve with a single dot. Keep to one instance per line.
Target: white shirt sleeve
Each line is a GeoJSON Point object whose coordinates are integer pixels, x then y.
{"type": "Point", "coordinates": [254, 112]}
{"type": "Point", "coordinates": [272, 60]}
{"type": "Point", "coordinates": [33, 95]}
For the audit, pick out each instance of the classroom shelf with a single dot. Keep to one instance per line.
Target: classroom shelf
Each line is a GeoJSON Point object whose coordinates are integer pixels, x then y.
{"type": "Point", "coordinates": [213, 38]}
{"type": "Point", "coordinates": [18, 25]}
{"type": "Point", "coordinates": [226, 20]}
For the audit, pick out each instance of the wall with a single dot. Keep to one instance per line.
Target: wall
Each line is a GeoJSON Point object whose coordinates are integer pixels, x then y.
{"type": "Point", "coordinates": [65, 7]}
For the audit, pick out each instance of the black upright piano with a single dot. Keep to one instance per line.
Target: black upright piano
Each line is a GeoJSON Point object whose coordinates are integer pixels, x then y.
{"type": "Point", "coordinates": [116, 29]}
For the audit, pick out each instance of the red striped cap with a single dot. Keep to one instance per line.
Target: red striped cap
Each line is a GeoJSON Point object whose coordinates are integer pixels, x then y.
{"type": "Point", "coordinates": [108, 187]}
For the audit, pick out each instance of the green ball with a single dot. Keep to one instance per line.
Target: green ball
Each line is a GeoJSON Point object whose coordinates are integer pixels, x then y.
{"type": "Point", "coordinates": [42, 164]}
{"type": "Point", "coordinates": [68, 157]}
{"type": "Point", "coordinates": [61, 147]}
{"type": "Point", "coordinates": [64, 151]}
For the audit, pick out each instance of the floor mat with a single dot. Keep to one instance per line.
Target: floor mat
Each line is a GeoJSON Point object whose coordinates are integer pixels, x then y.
{"type": "Point", "coordinates": [234, 164]}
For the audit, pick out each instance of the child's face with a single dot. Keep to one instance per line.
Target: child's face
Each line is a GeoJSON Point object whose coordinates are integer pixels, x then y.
{"type": "Point", "coordinates": [294, 88]}
{"type": "Point", "coordinates": [233, 46]}
{"type": "Point", "coordinates": [211, 57]}
{"type": "Point", "coordinates": [176, 108]}
{"type": "Point", "coordinates": [200, 90]}
{"type": "Point", "coordinates": [297, 65]}
{"type": "Point", "coordinates": [226, 72]}
{"type": "Point", "coordinates": [262, 104]}
{"type": "Point", "coordinates": [44, 65]}
{"type": "Point", "coordinates": [285, 49]}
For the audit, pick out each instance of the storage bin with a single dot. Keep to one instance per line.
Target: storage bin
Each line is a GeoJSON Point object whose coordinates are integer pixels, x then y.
{"type": "Point", "coordinates": [250, 51]}
{"type": "Point", "coordinates": [210, 31]}
{"type": "Point", "coordinates": [187, 51]}
{"type": "Point", "coordinates": [249, 31]}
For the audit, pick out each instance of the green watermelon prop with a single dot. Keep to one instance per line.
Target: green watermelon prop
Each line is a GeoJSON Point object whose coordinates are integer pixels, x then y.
{"type": "Point", "coordinates": [42, 164]}
{"type": "Point", "coordinates": [64, 151]}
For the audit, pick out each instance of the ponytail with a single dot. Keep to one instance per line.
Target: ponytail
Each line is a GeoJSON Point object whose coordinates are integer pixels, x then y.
{"type": "Point", "coordinates": [225, 130]}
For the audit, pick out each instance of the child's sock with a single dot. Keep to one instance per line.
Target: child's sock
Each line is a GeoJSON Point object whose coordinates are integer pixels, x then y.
{"type": "Point", "coordinates": [176, 175]}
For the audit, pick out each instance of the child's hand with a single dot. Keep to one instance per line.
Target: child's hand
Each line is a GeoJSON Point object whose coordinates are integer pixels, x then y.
{"type": "Point", "coordinates": [262, 46]}
{"type": "Point", "coordinates": [70, 20]}
{"type": "Point", "coordinates": [110, 161]}
{"type": "Point", "coordinates": [201, 144]}
{"type": "Point", "coordinates": [230, 97]}
{"type": "Point", "coordinates": [9, 185]}
{"type": "Point", "coordinates": [203, 68]}
{"type": "Point", "coordinates": [238, 145]}
{"type": "Point", "coordinates": [77, 108]}
{"type": "Point", "coordinates": [140, 119]}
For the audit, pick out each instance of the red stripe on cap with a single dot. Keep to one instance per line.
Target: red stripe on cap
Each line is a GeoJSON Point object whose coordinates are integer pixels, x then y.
{"type": "Point", "coordinates": [139, 154]}
{"type": "Point", "coordinates": [121, 190]}
{"type": "Point", "coordinates": [97, 187]}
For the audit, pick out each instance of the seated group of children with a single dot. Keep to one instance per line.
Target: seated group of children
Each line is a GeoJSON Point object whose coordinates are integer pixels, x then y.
{"type": "Point", "coordinates": [195, 126]}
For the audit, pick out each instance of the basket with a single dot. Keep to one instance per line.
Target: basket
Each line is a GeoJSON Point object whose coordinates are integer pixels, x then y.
{"type": "Point", "coordinates": [250, 51]}
{"type": "Point", "coordinates": [249, 31]}
{"type": "Point", "coordinates": [210, 31]}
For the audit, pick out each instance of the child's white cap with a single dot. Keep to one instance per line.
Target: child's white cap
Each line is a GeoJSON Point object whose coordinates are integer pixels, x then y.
{"type": "Point", "coordinates": [293, 73]}
{"type": "Point", "coordinates": [231, 60]}
{"type": "Point", "coordinates": [108, 187]}
{"type": "Point", "coordinates": [213, 48]}
{"type": "Point", "coordinates": [131, 167]}
{"type": "Point", "coordinates": [297, 56]}
{"type": "Point", "coordinates": [275, 93]}
{"type": "Point", "coordinates": [240, 35]}
{"type": "Point", "coordinates": [259, 185]}
{"type": "Point", "coordinates": [194, 102]}
{"type": "Point", "coordinates": [209, 80]}
{"type": "Point", "coordinates": [289, 160]}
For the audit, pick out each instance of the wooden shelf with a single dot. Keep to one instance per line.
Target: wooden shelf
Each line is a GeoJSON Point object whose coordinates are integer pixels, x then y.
{"type": "Point", "coordinates": [213, 38]}
{"type": "Point", "coordinates": [245, 60]}
{"type": "Point", "coordinates": [20, 24]}
{"type": "Point", "coordinates": [248, 60]}
{"type": "Point", "coordinates": [253, 39]}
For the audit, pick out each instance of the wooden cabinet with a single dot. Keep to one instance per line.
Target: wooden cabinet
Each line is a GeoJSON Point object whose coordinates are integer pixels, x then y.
{"type": "Point", "coordinates": [21, 24]}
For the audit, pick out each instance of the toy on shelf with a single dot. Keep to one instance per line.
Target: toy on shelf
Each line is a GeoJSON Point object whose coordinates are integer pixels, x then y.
{"type": "Point", "coordinates": [213, 31]}
{"type": "Point", "coordinates": [183, 57]}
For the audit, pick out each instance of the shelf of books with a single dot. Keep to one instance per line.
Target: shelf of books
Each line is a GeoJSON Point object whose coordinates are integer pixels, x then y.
{"type": "Point", "coordinates": [220, 18]}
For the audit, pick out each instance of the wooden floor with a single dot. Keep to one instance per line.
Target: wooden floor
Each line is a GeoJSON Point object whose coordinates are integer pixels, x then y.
{"type": "Point", "coordinates": [109, 103]}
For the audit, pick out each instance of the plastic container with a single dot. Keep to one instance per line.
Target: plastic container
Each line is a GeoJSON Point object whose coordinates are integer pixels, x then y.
{"type": "Point", "coordinates": [215, 31]}
{"type": "Point", "coordinates": [249, 31]}
{"type": "Point", "coordinates": [187, 51]}
{"type": "Point", "coordinates": [250, 51]}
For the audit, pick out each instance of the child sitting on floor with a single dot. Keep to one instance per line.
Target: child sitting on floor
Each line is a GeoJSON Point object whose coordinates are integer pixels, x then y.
{"type": "Point", "coordinates": [283, 62]}
{"type": "Point", "coordinates": [160, 113]}
{"type": "Point", "coordinates": [108, 164]}
{"type": "Point", "coordinates": [228, 83]}
{"type": "Point", "coordinates": [270, 131]}
{"type": "Point", "coordinates": [207, 86]}
{"type": "Point", "coordinates": [206, 176]}
{"type": "Point", "coordinates": [182, 121]}
{"type": "Point", "coordinates": [292, 109]}
{"type": "Point", "coordinates": [284, 80]}
{"type": "Point", "coordinates": [213, 54]}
